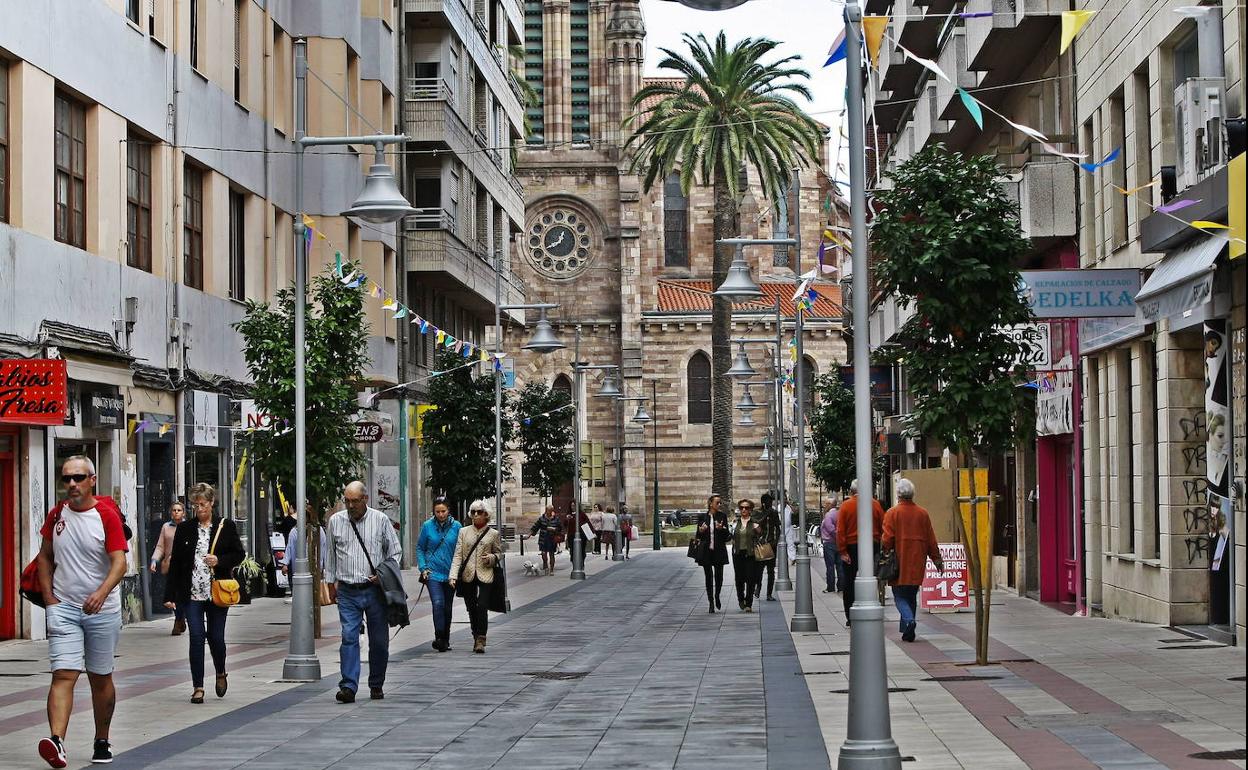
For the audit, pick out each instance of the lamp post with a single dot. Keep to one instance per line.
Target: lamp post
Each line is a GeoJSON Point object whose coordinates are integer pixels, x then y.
{"type": "Point", "coordinates": [380, 202]}
{"type": "Point", "coordinates": [608, 390]}
{"type": "Point", "coordinates": [868, 739]}
{"type": "Point", "coordinates": [642, 417]}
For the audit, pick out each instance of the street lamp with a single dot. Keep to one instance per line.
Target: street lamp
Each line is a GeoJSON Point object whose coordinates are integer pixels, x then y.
{"type": "Point", "coordinates": [380, 203]}
{"type": "Point", "coordinates": [739, 285]}
{"type": "Point", "coordinates": [608, 390]}
{"type": "Point", "coordinates": [868, 737]}
{"type": "Point", "coordinates": [642, 417]}
{"type": "Point", "coordinates": [741, 364]}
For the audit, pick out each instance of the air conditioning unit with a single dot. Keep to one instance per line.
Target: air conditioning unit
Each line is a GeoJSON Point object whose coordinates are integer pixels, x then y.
{"type": "Point", "coordinates": [1200, 134]}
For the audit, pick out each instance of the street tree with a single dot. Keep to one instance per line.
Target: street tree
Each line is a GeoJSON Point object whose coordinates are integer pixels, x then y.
{"type": "Point", "coordinates": [732, 110]}
{"type": "Point", "coordinates": [947, 240]}
{"type": "Point", "coordinates": [335, 334]}
{"type": "Point", "coordinates": [545, 424]}
{"type": "Point", "coordinates": [458, 434]}
{"type": "Point", "coordinates": [832, 432]}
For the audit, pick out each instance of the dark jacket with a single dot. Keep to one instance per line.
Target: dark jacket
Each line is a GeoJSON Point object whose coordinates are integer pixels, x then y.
{"type": "Point", "coordinates": [390, 579]}
{"type": "Point", "coordinates": [769, 518]}
{"type": "Point", "coordinates": [717, 539]}
{"type": "Point", "coordinates": [229, 553]}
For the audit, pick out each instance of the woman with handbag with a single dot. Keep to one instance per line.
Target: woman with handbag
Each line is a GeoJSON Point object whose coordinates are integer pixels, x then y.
{"type": "Point", "coordinates": [163, 552]}
{"type": "Point", "coordinates": [908, 542]}
{"type": "Point", "coordinates": [206, 550]}
{"type": "Point", "coordinates": [769, 520]}
{"type": "Point", "coordinates": [709, 547]}
{"type": "Point", "coordinates": [746, 534]}
{"type": "Point", "coordinates": [478, 549]}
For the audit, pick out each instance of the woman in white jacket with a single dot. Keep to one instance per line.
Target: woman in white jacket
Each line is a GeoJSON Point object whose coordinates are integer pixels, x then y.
{"type": "Point", "coordinates": [477, 551]}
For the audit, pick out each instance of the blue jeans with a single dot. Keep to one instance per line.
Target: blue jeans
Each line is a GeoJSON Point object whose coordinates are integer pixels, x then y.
{"type": "Point", "coordinates": [442, 597]}
{"type": "Point", "coordinates": [906, 598]}
{"type": "Point", "coordinates": [832, 566]}
{"type": "Point", "coordinates": [206, 620]}
{"type": "Point", "coordinates": [356, 606]}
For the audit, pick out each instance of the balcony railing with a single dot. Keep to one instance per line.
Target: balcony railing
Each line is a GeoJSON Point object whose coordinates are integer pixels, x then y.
{"type": "Point", "coordinates": [430, 90]}
{"type": "Point", "coordinates": [429, 219]}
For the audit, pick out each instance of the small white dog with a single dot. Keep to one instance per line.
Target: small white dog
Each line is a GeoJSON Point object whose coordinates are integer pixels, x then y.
{"type": "Point", "coordinates": [530, 568]}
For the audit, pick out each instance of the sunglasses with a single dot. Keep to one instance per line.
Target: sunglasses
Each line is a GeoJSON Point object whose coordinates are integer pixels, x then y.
{"type": "Point", "coordinates": [77, 478]}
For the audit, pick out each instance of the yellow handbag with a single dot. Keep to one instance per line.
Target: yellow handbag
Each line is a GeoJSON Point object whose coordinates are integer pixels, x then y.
{"type": "Point", "coordinates": [226, 591]}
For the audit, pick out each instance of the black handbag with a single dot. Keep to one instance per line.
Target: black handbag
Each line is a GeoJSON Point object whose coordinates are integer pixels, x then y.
{"type": "Point", "coordinates": [886, 568]}
{"type": "Point", "coordinates": [497, 601]}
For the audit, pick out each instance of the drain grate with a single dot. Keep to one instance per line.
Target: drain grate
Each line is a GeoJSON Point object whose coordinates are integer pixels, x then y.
{"type": "Point", "coordinates": [891, 689]}
{"type": "Point", "coordinates": [815, 673]}
{"type": "Point", "coordinates": [1232, 754]}
{"type": "Point", "coordinates": [17, 675]}
{"type": "Point", "coordinates": [1193, 647]}
{"type": "Point", "coordinates": [834, 652]}
{"type": "Point", "coordinates": [556, 675]}
{"type": "Point", "coordinates": [998, 662]}
{"type": "Point", "coordinates": [960, 678]}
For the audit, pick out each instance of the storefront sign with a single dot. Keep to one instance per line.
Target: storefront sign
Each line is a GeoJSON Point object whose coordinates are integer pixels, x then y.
{"type": "Point", "coordinates": [1036, 339]}
{"type": "Point", "coordinates": [33, 391]}
{"type": "Point", "coordinates": [103, 407]}
{"type": "Point", "coordinates": [205, 415]}
{"type": "Point", "coordinates": [367, 432]}
{"type": "Point", "coordinates": [1081, 293]}
{"type": "Point", "coordinates": [946, 589]}
{"type": "Point", "coordinates": [253, 418]}
{"type": "Point", "coordinates": [1055, 401]}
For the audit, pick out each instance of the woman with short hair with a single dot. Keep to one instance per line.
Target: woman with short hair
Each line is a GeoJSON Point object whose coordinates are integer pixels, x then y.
{"type": "Point", "coordinates": [746, 533]}
{"type": "Point", "coordinates": [478, 550]}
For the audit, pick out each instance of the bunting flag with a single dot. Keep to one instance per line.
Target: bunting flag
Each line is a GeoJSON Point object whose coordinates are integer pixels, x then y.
{"type": "Point", "coordinates": [459, 346]}
{"type": "Point", "coordinates": [450, 341]}
{"type": "Point", "coordinates": [389, 304]}
{"type": "Point", "coordinates": [439, 337]}
{"type": "Point", "coordinates": [130, 427]}
{"type": "Point", "coordinates": [927, 64]}
{"type": "Point", "coordinates": [164, 428]}
{"type": "Point", "coordinates": [402, 312]}
{"type": "Point", "coordinates": [1072, 22]}
{"type": "Point", "coordinates": [1205, 224]}
{"type": "Point", "coordinates": [1135, 190]}
{"type": "Point", "coordinates": [347, 280]}
{"type": "Point", "coordinates": [1110, 158]}
{"type": "Point", "coordinates": [1181, 203]}
{"type": "Point", "coordinates": [424, 326]}
{"type": "Point", "coordinates": [337, 263]}
{"type": "Point", "coordinates": [974, 14]}
{"type": "Point", "coordinates": [467, 351]}
{"type": "Point", "coordinates": [485, 356]}
{"type": "Point", "coordinates": [839, 50]}
{"type": "Point", "coordinates": [376, 292]}
{"type": "Point", "coordinates": [972, 107]}
{"type": "Point", "coordinates": [1054, 150]}
{"type": "Point", "coordinates": [873, 32]}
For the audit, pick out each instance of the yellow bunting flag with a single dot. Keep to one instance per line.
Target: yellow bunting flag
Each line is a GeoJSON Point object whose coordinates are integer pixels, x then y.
{"type": "Point", "coordinates": [389, 304]}
{"type": "Point", "coordinates": [1205, 224]}
{"type": "Point", "coordinates": [164, 428]}
{"type": "Point", "coordinates": [1134, 190]}
{"type": "Point", "coordinates": [132, 425]}
{"type": "Point", "coordinates": [441, 335]}
{"type": "Point", "coordinates": [240, 474]}
{"type": "Point", "coordinates": [485, 356]}
{"type": "Point", "coordinates": [1235, 204]}
{"type": "Point", "coordinates": [1072, 22]}
{"type": "Point", "coordinates": [873, 31]}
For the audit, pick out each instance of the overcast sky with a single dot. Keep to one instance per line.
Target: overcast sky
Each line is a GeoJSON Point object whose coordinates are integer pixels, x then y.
{"type": "Point", "coordinates": [805, 28]}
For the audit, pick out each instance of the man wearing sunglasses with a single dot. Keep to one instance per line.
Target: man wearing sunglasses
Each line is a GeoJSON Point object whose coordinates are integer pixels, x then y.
{"type": "Point", "coordinates": [81, 563]}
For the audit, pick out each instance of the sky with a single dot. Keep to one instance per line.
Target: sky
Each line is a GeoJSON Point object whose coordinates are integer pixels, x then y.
{"type": "Point", "coordinates": [805, 28]}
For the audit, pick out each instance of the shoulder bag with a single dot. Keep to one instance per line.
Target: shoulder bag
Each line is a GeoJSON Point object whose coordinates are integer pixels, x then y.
{"type": "Point", "coordinates": [886, 568]}
{"type": "Point", "coordinates": [497, 600]}
{"type": "Point", "coordinates": [225, 591]}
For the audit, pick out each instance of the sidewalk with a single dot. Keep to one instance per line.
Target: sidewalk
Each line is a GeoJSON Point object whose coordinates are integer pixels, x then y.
{"type": "Point", "coordinates": [1063, 691]}
{"type": "Point", "coordinates": [153, 678]}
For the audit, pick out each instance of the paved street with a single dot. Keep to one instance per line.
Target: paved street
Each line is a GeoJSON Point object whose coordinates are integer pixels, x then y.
{"type": "Point", "coordinates": [627, 670]}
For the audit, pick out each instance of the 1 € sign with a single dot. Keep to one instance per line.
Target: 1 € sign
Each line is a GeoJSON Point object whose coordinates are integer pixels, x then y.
{"type": "Point", "coordinates": [946, 589]}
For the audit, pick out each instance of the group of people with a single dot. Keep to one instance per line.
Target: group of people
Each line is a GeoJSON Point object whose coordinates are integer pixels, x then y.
{"type": "Point", "coordinates": [750, 538]}
{"type": "Point", "coordinates": [601, 525]}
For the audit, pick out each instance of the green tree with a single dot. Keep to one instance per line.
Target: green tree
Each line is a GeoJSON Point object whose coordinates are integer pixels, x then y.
{"type": "Point", "coordinates": [459, 433]}
{"type": "Point", "coordinates": [732, 110]}
{"type": "Point", "coordinates": [832, 432]}
{"type": "Point", "coordinates": [545, 437]}
{"type": "Point", "coordinates": [948, 240]}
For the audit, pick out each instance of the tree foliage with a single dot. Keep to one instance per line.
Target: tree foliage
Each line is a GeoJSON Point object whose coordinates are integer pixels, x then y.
{"type": "Point", "coordinates": [733, 110]}
{"type": "Point", "coordinates": [336, 336]}
{"type": "Point", "coordinates": [459, 434]}
{"type": "Point", "coordinates": [948, 240]}
{"type": "Point", "coordinates": [545, 437]}
{"type": "Point", "coordinates": [832, 432]}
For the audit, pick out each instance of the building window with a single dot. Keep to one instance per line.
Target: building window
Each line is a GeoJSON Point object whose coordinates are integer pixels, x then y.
{"type": "Point", "coordinates": [4, 141]}
{"type": "Point", "coordinates": [71, 172]}
{"type": "Point", "coordinates": [196, 22]}
{"type": "Point", "coordinates": [240, 26]}
{"type": "Point", "coordinates": [698, 379]}
{"type": "Point", "coordinates": [132, 10]}
{"type": "Point", "coordinates": [1091, 241]}
{"type": "Point", "coordinates": [1117, 172]}
{"type": "Point", "coordinates": [1124, 438]}
{"type": "Point", "coordinates": [535, 118]}
{"type": "Point", "coordinates": [675, 223]}
{"type": "Point", "coordinates": [1142, 126]}
{"type": "Point", "coordinates": [238, 242]}
{"type": "Point", "coordinates": [193, 227]}
{"type": "Point", "coordinates": [579, 70]}
{"type": "Point", "coordinates": [138, 203]}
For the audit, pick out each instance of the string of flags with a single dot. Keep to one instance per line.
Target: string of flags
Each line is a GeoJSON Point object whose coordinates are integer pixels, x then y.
{"type": "Point", "coordinates": [356, 279]}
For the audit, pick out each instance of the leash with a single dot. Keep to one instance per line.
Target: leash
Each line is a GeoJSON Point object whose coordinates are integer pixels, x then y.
{"type": "Point", "coordinates": [409, 609]}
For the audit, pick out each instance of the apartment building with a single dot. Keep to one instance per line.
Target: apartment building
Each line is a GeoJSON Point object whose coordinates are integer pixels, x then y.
{"type": "Point", "coordinates": [147, 192]}
{"type": "Point", "coordinates": [1164, 413]}
{"type": "Point", "coordinates": [463, 115]}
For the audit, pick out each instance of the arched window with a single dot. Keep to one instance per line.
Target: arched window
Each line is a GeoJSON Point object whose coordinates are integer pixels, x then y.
{"type": "Point", "coordinates": [698, 379]}
{"type": "Point", "coordinates": [562, 384]}
{"type": "Point", "coordinates": [675, 223]}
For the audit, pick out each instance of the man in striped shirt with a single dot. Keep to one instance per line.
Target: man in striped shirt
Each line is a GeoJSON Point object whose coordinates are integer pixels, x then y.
{"type": "Point", "coordinates": [358, 539]}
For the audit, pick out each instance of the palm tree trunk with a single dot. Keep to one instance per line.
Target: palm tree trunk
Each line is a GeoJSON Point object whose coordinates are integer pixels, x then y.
{"type": "Point", "coordinates": [721, 347]}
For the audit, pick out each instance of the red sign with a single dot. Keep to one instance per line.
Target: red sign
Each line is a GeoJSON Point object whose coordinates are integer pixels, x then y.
{"type": "Point", "coordinates": [947, 589]}
{"type": "Point", "coordinates": [33, 391]}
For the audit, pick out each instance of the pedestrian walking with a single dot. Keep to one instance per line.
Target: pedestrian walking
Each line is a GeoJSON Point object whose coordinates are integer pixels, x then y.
{"type": "Point", "coordinates": [835, 581]}
{"type": "Point", "coordinates": [477, 551]}
{"type": "Point", "coordinates": [769, 520]}
{"type": "Point", "coordinates": [847, 541]}
{"type": "Point", "coordinates": [908, 530]}
{"type": "Point", "coordinates": [792, 533]}
{"type": "Point", "coordinates": [435, 550]}
{"type": "Point", "coordinates": [358, 539]}
{"type": "Point", "coordinates": [163, 552]}
{"type": "Point", "coordinates": [548, 529]}
{"type": "Point", "coordinates": [711, 532]}
{"type": "Point", "coordinates": [746, 532]}
{"type": "Point", "coordinates": [610, 526]}
{"type": "Point", "coordinates": [595, 521]}
{"type": "Point", "coordinates": [626, 530]}
{"type": "Point", "coordinates": [82, 558]}
{"type": "Point", "coordinates": [206, 547]}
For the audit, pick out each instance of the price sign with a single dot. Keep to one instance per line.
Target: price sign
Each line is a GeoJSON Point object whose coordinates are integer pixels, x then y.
{"type": "Point", "coordinates": [367, 432]}
{"type": "Point", "coordinates": [946, 589]}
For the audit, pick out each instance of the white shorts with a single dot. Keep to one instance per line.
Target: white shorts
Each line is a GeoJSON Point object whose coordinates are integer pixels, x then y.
{"type": "Point", "coordinates": [81, 642]}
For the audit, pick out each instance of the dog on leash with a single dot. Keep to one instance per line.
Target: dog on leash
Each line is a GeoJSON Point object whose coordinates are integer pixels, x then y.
{"type": "Point", "coordinates": [530, 568]}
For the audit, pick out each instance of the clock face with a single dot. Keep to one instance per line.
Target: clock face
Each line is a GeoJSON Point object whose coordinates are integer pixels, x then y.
{"type": "Point", "coordinates": [559, 243]}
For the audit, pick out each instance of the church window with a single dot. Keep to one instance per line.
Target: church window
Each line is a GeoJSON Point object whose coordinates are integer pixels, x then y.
{"type": "Point", "coordinates": [580, 71]}
{"type": "Point", "coordinates": [698, 380]}
{"type": "Point", "coordinates": [675, 223]}
{"type": "Point", "coordinates": [535, 120]}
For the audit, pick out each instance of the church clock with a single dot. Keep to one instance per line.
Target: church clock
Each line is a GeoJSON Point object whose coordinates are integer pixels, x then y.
{"type": "Point", "coordinates": [559, 243]}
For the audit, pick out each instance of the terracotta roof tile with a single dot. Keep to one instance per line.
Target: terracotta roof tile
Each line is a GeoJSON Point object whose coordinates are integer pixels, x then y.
{"type": "Point", "coordinates": [694, 296]}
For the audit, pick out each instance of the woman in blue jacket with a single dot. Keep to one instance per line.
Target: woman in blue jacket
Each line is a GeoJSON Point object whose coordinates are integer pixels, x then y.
{"type": "Point", "coordinates": [434, 550]}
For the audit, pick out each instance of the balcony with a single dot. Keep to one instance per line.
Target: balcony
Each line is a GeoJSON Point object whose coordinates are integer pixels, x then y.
{"type": "Point", "coordinates": [1045, 193]}
{"type": "Point", "coordinates": [447, 263]}
{"type": "Point", "coordinates": [1007, 42]}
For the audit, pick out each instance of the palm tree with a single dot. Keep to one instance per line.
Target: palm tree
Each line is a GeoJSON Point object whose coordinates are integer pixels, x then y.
{"type": "Point", "coordinates": [732, 110]}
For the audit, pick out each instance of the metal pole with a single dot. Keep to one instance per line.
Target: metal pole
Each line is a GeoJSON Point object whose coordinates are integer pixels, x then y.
{"type": "Point", "coordinates": [578, 551]}
{"type": "Point", "coordinates": [498, 402]}
{"type": "Point", "coordinates": [404, 527]}
{"type": "Point", "coordinates": [619, 478]}
{"type": "Point", "coordinates": [868, 740]}
{"type": "Point", "coordinates": [654, 424]}
{"type": "Point", "coordinates": [301, 664]}
{"type": "Point", "coordinates": [783, 583]}
{"type": "Point", "coordinates": [803, 597]}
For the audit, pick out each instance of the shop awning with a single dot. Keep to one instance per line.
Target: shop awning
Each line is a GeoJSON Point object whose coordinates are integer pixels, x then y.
{"type": "Point", "coordinates": [1183, 281]}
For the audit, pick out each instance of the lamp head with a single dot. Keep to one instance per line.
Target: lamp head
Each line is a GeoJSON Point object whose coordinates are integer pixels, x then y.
{"type": "Point", "coordinates": [609, 389]}
{"type": "Point", "coordinates": [544, 339]}
{"type": "Point", "coordinates": [380, 202]}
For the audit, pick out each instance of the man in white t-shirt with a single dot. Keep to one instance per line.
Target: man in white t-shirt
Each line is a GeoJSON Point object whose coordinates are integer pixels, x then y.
{"type": "Point", "coordinates": [81, 563]}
